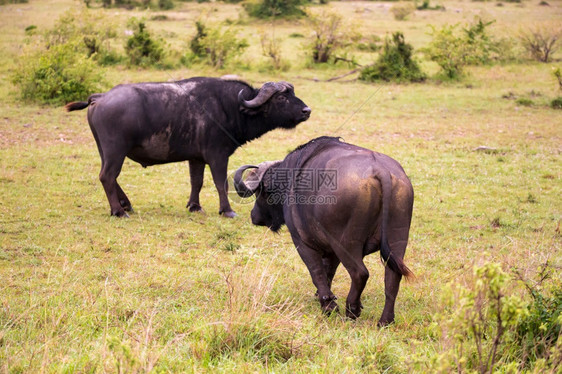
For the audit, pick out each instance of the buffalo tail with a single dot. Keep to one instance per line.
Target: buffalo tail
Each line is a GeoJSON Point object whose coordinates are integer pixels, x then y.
{"type": "Point", "coordinates": [76, 105]}
{"type": "Point", "coordinates": [394, 263]}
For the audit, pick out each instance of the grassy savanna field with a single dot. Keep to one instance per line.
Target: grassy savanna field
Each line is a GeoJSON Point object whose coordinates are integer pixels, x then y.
{"type": "Point", "coordinates": [172, 291]}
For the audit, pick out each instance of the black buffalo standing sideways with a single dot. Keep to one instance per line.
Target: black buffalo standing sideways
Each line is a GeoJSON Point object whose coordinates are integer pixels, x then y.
{"type": "Point", "coordinates": [203, 120]}
{"type": "Point", "coordinates": [340, 203]}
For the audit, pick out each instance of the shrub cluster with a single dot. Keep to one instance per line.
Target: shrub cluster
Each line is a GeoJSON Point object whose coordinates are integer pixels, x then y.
{"type": "Point", "coordinates": [453, 49]}
{"type": "Point", "coordinates": [57, 75]}
{"type": "Point", "coordinates": [395, 63]}
{"type": "Point", "coordinates": [89, 36]}
{"type": "Point", "coordinates": [487, 324]}
{"type": "Point", "coordinates": [141, 48]}
{"type": "Point", "coordinates": [60, 65]}
{"type": "Point", "coordinates": [215, 45]}
{"type": "Point", "coordinates": [275, 8]}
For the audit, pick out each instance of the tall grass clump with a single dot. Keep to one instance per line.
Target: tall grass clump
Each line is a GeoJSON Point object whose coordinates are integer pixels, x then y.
{"type": "Point", "coordinates": [254, 325]}
{"type": "Point", "coordinates": [395, 63]}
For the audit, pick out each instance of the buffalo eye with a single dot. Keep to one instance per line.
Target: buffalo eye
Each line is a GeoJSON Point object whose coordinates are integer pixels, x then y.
{"type": "Point", "coordinates": [281, 99]}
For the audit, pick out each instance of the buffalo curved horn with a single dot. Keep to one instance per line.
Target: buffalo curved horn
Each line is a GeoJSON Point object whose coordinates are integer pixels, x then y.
{"type": "Point", "coordinates": [286, 86]}
{"type": "Point", "coordinates": [240, 185]}
{"type": "Point", "coordinates": [266, 91]}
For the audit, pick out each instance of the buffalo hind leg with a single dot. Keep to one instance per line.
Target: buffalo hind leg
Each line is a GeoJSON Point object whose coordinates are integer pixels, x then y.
{"type": "Point", "coordinates": [391, 279]}
{"type": "Point", "coordinates": [391, 287]}
{"type": "Point", "coordinates": [353, 263]}
{"type": "Point", "coordinates": [313, 261]}
{"type": "Point", "coordinates": [218, 171]}
{"type": "Point", "coordinates": [110, 170]}
{"type": "Point", "coordinates": [331, 263]}
{"type": "Point", "coordinates": [196, 172]}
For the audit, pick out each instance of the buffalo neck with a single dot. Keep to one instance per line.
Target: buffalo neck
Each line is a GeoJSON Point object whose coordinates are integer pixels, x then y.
{"type": "Point", "coordinates": [252, 127]}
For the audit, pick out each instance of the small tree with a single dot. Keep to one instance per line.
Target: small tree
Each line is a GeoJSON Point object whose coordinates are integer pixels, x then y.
{"type": "Point", "coordinates": [141, 48]}
{"type": "Point", "coordinates": [271, 47]}
{"type": "Point", "coordinates": [329, 36]}
{"type": "Point", "coordinates": [395, 63]}
{"type": "Point", "coordinates": [541, 42]}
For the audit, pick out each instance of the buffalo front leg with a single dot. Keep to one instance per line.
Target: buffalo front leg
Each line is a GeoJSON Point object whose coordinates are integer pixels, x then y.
{"type": "Point", "coordinates": [196, 171]}
{"type": "Point", "coordinates": [124, 200]}
{"type": "Point", "coordinates": [218, 171]}
{"type": "Point", "coordinates": [391, 286]}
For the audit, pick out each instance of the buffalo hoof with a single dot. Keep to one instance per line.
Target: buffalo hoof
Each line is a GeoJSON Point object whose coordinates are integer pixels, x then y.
{"type": "Point", "coordinates": [329, 305]}
{"type": "Point", "coordinates": [120, 214]}
{"type": "Point", "coordinates": [194, 207]}
{"type": "Point", "coordinates": [127, 207]}
{"type": "Point", "coordinates": [353, 311]}
{"type": "Point", "coordinates": [383, 323]}
{"type": "Point", "coordinates": [229, 214]}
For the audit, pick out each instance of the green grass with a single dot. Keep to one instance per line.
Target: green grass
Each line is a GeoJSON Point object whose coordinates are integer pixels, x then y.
{"type": "Point", "coordinates": [167, 290]}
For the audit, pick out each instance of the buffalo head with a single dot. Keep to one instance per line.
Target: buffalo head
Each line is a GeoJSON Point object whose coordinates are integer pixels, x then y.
{"type": "Point", "coordinates": [261, 182]}
{"type": "Point", "coordinates": [278, 102]}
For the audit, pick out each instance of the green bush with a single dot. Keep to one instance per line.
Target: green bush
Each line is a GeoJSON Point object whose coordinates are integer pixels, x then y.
{"type": "Point", "coordinates": [477, 319]}
{"type": "Point", "coordinates": [556, 103]}
{"type": "Point", "coordinates": [275, 8]}
{"type": "Point", "coordinates": [165, 4]}
{"type": "Point", "coordinates": [453, 49]}
{"type": "Point", "coordinates": [196, 45]}
{"type": "Point", "coordinates": [57, 75]}
{"type": "Point", "coordinates": [90, 31]}
{"type": "Point", "coordinates": [525, 101]}
{"type": "Point", "coordinates": [395, 63]}
{"type": "Point", "coordinates": [539, 329]}
{"type": "Point", "coordinates": [221, 45]}
{"type": "Point", "coordinates": [141, 48]}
